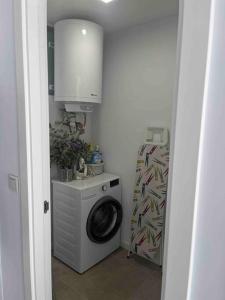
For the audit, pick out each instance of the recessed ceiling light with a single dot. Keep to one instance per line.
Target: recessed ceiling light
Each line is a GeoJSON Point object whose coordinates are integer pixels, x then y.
{"type": "Point", "coordinates": [107, 1]}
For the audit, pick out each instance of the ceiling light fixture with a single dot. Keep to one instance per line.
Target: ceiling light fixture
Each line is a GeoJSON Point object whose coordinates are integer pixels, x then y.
{"type": "Point", "coordinates": [107, 1]}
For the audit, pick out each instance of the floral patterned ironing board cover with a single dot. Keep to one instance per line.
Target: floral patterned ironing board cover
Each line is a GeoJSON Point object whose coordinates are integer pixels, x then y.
{"type": "Point", "coordinates": [150, 193]}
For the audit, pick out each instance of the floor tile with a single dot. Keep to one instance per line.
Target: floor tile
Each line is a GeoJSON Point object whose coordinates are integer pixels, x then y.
{"type": "Point", "coordinates": [115, 278]}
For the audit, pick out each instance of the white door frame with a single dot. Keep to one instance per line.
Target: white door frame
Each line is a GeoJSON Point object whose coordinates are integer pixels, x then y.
{"type": "Point", "coordinates": [195, 39]}
{"type": "Point", "coordinates": [33, 123]}
{"type": "Point", "coordinates": [31, 61]}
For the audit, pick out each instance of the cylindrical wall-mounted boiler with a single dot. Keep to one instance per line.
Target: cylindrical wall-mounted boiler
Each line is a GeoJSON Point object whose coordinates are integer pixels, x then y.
{"type": "Point", "coordinates": [78, 61]}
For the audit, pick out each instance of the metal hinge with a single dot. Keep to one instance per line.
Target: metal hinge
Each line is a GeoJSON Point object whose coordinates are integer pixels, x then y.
{"type": "Point", "coordinates": [46, 207]}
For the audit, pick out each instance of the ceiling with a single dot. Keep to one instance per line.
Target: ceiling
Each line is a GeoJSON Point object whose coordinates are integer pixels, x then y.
{"type": "Point", "coordinates": [112, 16]}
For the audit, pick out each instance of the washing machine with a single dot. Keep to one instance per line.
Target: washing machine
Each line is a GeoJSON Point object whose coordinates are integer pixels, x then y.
{"type": "Point", "coordinates": [87, 216]}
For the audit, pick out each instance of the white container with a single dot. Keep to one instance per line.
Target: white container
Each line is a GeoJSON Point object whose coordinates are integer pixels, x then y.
{"type": "Point", "coordinates": [78, 61]}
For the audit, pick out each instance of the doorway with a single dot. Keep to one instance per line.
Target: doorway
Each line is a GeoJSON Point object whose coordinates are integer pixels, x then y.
{"type": "Point", "coordinates": [139, 67]}
{"type": "Point", "coordinates": [33, 234]}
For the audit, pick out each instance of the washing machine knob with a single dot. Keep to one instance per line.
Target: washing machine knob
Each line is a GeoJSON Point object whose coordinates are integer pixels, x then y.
{"type": "Point", "coordinates": [104, 188]}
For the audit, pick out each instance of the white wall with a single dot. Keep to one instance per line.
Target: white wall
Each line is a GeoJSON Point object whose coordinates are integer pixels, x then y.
{"type": "Point", "coordinates": [56, 114]}
{"type": "Point", "coordinates": [139, 69]}
{"type": "Point", "coordinates": [208, 264]}
{"type": "Point", "coordinates": [10, 226]}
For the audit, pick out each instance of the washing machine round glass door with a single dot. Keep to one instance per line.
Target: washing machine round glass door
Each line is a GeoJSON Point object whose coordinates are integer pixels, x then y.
{"type": "Point", "coordinates": [104, 220]}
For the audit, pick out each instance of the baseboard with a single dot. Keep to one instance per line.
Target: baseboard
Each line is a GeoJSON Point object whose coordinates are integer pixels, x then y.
{"type": "Point", "coordinates": [125, 245]}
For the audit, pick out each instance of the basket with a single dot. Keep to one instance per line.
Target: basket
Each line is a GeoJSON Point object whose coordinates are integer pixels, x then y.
{"type": "Point", "coordinates": [95, 169]}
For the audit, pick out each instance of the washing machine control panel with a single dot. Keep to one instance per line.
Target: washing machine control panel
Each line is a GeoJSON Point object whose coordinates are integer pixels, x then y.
{"type": "Point", "coordinates": [114, 182]}
{"type": "Point", "coordinates": [111, 184]}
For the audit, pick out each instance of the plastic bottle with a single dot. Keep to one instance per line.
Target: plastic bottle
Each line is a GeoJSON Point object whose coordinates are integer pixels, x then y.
{"type": "Point", "coordinates": [97, 156]}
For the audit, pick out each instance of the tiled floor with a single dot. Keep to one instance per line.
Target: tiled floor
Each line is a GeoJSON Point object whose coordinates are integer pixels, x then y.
{"type": "Point", "coordinates": [115, 278]}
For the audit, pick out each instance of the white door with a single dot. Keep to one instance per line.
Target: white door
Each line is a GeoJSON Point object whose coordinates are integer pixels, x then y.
{"type": "Point", "coordinates": [33, 115]}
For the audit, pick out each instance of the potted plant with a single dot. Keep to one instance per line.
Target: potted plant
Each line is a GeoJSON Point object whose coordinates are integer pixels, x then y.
{"type": "Point", "coordinates": [66, 147]}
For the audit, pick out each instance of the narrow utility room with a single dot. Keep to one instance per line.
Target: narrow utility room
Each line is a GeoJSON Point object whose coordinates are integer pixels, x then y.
{"type": "Point", "coordinates": [111, 78]}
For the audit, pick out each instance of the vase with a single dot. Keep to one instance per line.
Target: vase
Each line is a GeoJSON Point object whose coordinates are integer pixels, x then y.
{"type": "Point", "coordinates": [65, 175]}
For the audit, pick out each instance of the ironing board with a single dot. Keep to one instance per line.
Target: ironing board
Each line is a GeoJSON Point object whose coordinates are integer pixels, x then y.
{"type": "Point", "coordinates": [149, 202]}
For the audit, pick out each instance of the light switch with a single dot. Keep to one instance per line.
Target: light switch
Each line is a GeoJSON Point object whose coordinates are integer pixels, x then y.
{"type": "Point", "coordinates": [13, 183]}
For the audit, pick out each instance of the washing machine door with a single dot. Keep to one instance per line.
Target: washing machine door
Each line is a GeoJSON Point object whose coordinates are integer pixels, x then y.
{"type": "Point", "coordinates": [104, 220]}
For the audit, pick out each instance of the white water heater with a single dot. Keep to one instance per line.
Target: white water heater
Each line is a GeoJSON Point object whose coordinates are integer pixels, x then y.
{"type": "Point", "coordinates": [78, 61]}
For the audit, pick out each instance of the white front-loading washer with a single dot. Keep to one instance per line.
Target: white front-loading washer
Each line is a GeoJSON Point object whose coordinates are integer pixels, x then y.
{"type": "Point", "coordinates": [87, 216]}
